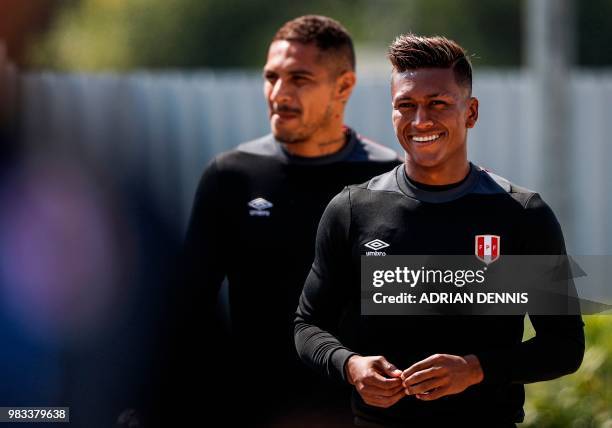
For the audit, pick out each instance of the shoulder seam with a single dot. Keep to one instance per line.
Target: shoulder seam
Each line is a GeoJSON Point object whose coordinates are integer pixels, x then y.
{"type": "Point", "coordinates": [529, 199]}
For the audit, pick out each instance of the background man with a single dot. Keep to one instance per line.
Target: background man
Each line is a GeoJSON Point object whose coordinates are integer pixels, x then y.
{"type": "Point", "coordinates": [254, 221]}
{"type": "Point", "coordinates": [437, 370]}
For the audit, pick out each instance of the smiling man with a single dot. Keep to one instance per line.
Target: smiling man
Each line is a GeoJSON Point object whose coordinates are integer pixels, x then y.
{"type": "Point", "coordinates": [431, 371]}
{"type": "Point", "coordinates": [254, 222]}
{"type": "Point", "coordinates": [432, 111]}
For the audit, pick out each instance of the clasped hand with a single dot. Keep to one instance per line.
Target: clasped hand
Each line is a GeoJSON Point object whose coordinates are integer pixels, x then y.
{"type": "Point", "coordinates": [381, 384]}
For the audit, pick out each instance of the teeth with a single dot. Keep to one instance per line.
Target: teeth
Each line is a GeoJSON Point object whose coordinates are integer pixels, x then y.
{"type": "Point", "coordinates": [424, 139]}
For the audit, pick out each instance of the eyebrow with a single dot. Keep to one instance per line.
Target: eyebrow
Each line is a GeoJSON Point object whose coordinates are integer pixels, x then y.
{"type": "Point", "coordinates": [301, 71]}
{"type": "Point", "coordinates": [292, 72]}
{"type": "Point", "coordinates": [434, 95]}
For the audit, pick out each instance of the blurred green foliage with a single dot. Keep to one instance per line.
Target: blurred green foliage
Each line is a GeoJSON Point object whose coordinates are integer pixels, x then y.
{"type": "Point", "coordinates": [594, 44]}
{"type": "Point", "coordinates": [92, 35]}
{"type": "Point", "coordinates": [117, 34]}
{"type": "Point", "coordinates": [582, 399]}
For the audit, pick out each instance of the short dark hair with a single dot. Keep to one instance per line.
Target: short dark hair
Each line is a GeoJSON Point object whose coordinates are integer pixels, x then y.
{"type": "Point", "coordinates": [326, 33]}
{"type": "Point", "coordinates": [409, 52]}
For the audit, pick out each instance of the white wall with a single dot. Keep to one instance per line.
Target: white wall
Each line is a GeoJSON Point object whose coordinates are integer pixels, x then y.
{"type": "Point", "coordinates": [166, 126]}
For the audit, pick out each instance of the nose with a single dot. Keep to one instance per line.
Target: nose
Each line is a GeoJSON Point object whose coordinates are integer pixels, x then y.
{"type": "Point", "coordinates": [280, 92]}
{"type": "Point", "coordinates": [421, 120]}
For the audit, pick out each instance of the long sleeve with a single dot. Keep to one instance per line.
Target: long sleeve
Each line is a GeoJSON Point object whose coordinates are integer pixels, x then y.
{"type": "Point", "coordinates": [558, 346]}
{"type": "Point", "coordinates": [194, 295]}
{"type": "Point", "coordinates": [191, 319]}
{"type": "Point", "coordinates": [324, 297]}
{"type": "Point", "coordinates": [204, 266]}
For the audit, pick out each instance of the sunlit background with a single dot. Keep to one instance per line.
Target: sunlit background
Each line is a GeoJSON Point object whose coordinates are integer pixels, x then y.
{"type": "Point", "coordinates": [111, 108]}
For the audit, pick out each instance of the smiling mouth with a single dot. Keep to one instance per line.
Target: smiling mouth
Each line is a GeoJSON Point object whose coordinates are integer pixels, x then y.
{"type": "Point", "coordinates": [426, 138]}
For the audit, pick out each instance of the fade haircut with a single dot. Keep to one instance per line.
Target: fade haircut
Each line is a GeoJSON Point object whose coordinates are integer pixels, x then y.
{"type": "Point", "coordinates": [409, 52]}
{"type": "Point", "coordinates": [328, 35]}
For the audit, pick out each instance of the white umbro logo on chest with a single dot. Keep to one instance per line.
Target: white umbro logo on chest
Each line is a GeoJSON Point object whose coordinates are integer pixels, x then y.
{"type": "Point", "coordinates": [260, 207]}
{"type": "Point", "coordinates": [376, 245]}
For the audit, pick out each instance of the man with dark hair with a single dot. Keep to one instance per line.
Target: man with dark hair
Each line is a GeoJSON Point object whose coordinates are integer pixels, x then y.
{"type": "Point", "coordinates": [431, 371]}
{"type": "Point", "coordinates": [254, 222]}
{"type": "Point", "coordinates": [409, 52]}
{"type": "Point", "coordinates": [328, 35]}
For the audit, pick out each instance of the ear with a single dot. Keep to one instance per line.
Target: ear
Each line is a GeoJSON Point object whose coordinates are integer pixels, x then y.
{"type": "Point", "coordinates": [472, 112]}
{"type": "Point", "coordinates": [345, 83]}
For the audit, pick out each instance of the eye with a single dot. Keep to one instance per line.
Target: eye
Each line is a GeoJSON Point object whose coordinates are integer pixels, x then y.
{"type": "Point", "coordinates": [300, 80]}
{"type": "Point", "coordinates": [438, 103]}
{"type": "Point", "coordinates": [404, 105]}
{"type": "Point", "coordinates": [270, 77]}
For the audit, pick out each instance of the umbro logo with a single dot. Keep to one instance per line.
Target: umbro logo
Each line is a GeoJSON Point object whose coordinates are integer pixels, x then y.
{"type": "Point", "coordinates": [260, 204]}
{"type": "Point", "coordinates": [376, 245]}
{"type": "Point", "coordinates": [260, 207]}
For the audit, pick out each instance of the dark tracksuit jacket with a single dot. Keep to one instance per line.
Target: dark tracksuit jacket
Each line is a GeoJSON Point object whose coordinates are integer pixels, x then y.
{"type": "Point", "coordinates": [254, 222]}
{"type": "Point", "coordinates": [416, 220]}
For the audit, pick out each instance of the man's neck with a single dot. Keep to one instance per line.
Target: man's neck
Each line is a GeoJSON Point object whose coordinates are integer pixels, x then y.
{"type": "Point", "coordinates": [324, 142]}
{"type": "Point", "coordinates": [319, 145]}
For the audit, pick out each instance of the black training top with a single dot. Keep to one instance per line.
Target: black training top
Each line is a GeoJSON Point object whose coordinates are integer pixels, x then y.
{"type": "Point", "coordinates": [413, 220]}
{"type": "Point", "coordinates": [254, 221]}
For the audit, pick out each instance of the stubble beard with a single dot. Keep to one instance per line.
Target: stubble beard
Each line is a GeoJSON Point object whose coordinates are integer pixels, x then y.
{"type": "Point", "coordinates": [305, 131]}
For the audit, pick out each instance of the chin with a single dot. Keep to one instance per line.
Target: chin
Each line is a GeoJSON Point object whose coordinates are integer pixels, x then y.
{"type": "Point", "coordinates": [285, 136]}
{"type": "Point", "coordinates": [424, 162]}
{"type": "Point", "coordinates": [426, 156]}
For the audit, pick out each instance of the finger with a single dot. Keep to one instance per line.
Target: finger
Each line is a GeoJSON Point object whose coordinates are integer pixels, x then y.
{"type": "Point", "coordinates": [380, 401]}
{"type": "Point", "coordinates": [434, 394]}
{"type": "Point", "coordinates": [426, 386]}
{"type": "Point", "coordinates": [379, 381]}
{"type": "Point", "coordinates": [373, 390]}
{"type": "Point", "coordinates": [420, 365]}
{"type": "Point", "coordinates": [395, 398]}
{"type": "Point", "coordinates": [387, 368]}
{"type": "Point", "coordinates": [423, 375]}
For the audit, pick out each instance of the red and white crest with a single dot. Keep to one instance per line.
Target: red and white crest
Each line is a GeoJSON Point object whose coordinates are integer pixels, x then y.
{"type": "Point", "coordinates": [487, 247]}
